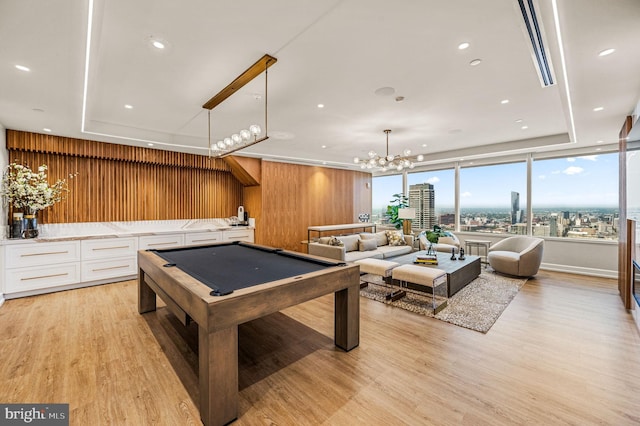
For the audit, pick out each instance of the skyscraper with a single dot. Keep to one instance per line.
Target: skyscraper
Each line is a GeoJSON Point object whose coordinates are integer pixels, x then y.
{"type": "Point", "coordinates": [515, 207]}
{"type": "Point", "coordinates": [422, 198]}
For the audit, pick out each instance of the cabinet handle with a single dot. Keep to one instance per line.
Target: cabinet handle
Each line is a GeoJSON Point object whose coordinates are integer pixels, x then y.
{"type": "Point", "coordinates": [44, 276]}
{"type": "Point", "coordinates": [208, 239]}
{"type": "Point", "coordinates": [44, 254]}
{"type": "Point", "coordinates": [110, 248]}
{"type": "Point", "coordinates": [163, 244]}
{"type": "Point", "coordinates": [107, 269]}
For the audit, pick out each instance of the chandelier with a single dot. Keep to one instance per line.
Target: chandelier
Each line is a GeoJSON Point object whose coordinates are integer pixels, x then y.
{"type": "Point", "coordinates": [389, 161]}
{"type": "Point", "coordinates": [243, 138]}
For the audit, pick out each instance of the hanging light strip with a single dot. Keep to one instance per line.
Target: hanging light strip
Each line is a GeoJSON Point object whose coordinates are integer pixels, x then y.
{"type": "Point", "coordinates": [244, 138]}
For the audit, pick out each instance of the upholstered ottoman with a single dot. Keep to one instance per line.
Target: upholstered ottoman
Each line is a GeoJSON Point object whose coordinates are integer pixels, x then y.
{"type": "Point", "coordinates": [378, 267]}
{"type": "Point", "coordinates": [425, 276]}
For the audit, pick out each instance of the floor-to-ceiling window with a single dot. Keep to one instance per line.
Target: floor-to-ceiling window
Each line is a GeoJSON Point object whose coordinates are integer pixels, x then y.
{"type": "Point", "coordinates": [573, 196]}
{"type": "Point", "coordinates": [576, 197]}
{"type": "Point", "coordinates": [432, 194]}
{"type": "Point", "coordinates": [493, 198]}
{"type": "Point", "coordinates": [384, 188]}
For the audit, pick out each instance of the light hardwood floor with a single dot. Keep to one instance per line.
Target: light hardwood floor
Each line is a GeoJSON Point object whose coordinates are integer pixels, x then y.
{"type": "Point", "coordinates": [564, 352]}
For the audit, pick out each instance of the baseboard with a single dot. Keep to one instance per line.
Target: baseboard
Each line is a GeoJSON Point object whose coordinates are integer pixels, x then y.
{"type": "Point", "coordinates": [594, 272]}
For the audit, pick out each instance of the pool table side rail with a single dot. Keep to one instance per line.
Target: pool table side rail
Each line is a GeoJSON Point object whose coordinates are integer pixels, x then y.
{"type": "Point", "coordinates": [220, 312]}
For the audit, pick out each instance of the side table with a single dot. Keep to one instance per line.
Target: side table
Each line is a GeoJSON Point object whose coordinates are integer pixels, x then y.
{"type": "Point", "coordinates": [478, 244]}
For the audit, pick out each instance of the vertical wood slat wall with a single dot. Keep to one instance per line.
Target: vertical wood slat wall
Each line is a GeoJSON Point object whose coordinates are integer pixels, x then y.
{"type": "Point", "coordinates": [121, 183]}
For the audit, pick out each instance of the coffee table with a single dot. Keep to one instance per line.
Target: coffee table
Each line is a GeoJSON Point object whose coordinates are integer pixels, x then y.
{"type": "Point", "coordinates": [459, 272]}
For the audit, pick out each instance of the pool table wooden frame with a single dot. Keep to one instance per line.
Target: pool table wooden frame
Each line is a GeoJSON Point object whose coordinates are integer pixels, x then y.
{"type": "Point", "coordinates": [218, 319]}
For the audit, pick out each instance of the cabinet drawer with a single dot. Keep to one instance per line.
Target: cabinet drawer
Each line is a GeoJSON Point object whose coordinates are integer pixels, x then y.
{"type": "Point", "coordinates": [109, 248]}
{"type": "Point", "coordinates": [94, 270]}
{"type": "Point", "coordinates": [203, 238]}
{"type": "Point", "coordinates": [245, 235]}
{"type": "Point", "coordinates": [21, 255]}
{"type": "Point", "coordinates": [37, 278]}
{"type": "Point", "coordinates": [161, 241]}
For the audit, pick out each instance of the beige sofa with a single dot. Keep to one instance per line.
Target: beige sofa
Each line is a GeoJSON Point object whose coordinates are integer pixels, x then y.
{"type": "Point", "coordinates": [362, 246]}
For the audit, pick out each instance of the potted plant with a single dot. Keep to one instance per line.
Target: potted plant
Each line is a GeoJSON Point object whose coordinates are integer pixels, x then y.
{"type": "Point", "coordinates": [433, 237]}
{"type": "Point", "coordinates": [400, 201]}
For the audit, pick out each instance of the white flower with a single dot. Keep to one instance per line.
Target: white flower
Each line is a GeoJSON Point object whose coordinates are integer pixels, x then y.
{"type": "Point", "coordinates": [28, 190]}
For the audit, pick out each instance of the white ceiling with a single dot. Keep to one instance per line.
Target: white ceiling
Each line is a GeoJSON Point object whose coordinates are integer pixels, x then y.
{"type": "Point", "coordinates": [337, 53]}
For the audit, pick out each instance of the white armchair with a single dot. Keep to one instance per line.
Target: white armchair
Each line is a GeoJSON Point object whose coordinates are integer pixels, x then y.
{"type": "Point", "coordinates": [520, 256]}
{"type": "Point", "coordinates": [444, 244]}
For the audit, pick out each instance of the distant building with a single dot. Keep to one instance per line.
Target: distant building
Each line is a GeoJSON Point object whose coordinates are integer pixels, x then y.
{"type": "Point", "coordinates": [447, 219]}
{"type": "Point", "coordinates": [553, 225]}
{"type": "Point", "coordinates": [515, 207]}
{"type": "Point", "coordinates": [422, 198]}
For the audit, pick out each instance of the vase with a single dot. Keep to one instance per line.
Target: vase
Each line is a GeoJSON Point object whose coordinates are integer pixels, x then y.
{"type": "Point", "coordinates": [30, 226]}
{"type": "Point", "coordinates": [17, 226]}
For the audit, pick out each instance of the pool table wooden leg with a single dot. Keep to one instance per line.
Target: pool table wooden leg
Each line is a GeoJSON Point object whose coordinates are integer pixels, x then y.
{"type": "Point", "coordinates": [347, 317]}
{"type": "Point", "coordinates": [218, 375]}
{"type": "Point", "coordinates": [146, 296]}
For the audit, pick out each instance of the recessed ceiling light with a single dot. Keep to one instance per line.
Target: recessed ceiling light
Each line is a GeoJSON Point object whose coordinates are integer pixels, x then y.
{"type": "Point", "coordinates": [606, 52]}
{"type": "Point", "coordinates": [320, 105]}
{"type": "Point", "coordinates": [385, 91]}
{"type": "Point", "coordinates": [46, 129]}
{"type": "Point", "coordinates": [323, 146]}
{"type": "Point", "coordinates": [504, 101]}
{"type": "Point", "coordinates": [463, 46]}
{"type": "Point", "coordinates": [598, 149]}
{"type": "Point", "coordinates": [599, 141]}
{"type": "Point", "coordinates": [519, 120]}
{"type": "Point", "coordinates": [475, 62]}
{"type": "Point", "coordinates": [424, 145]}
{"type": "Point", "coordinates": [127, 106]}
{"type": "Point", "coordinates": [23, 68]}
{"type": "Point", "coordinates": [149, 144]}
{"type": "Point", "coordinates": [596, 109]}
{"type": "Point", "coordinates": [157, 44]}
{"type": "Point", "coordinates": [524, 127]}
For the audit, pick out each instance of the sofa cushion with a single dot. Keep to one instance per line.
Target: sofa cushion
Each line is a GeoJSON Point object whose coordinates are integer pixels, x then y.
{"type": "Point", "coordinates": [391, 251]}
{"type": "Point", "coordinates": [367, 245]}
{"type": "Point", "coordinates": [357, 255]}
{"type": "Point", "coordinates": [350, 242]}
{"type": "Point", "coordinates": [395, 238]}
{"type": "Point", "coordinates": [380, 237]}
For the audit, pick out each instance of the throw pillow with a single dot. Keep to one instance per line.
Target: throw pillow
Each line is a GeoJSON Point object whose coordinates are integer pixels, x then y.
{"type": "Point", "coordinates": [367, 245]}
{"type": "Point", "coordinates": [381, 238]}
{"type": "Point", "coordinates": [396, 238]}
{"type": "Point", "coordinates": [350, 242]}
{"type": "Point", "coordinates": [334, 241]}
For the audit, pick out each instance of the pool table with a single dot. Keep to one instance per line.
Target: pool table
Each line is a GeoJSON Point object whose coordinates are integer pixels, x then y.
{"type": "Point", "coordinates": [222, 285]}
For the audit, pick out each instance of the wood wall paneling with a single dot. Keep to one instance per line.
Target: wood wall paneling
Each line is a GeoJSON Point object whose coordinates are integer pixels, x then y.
{"type": "Point", "coordinates": [124, 183]}
{"type": "Point", "coordinates": [624, 266]}
{"type": "Point", "coordinates": [295, 197]}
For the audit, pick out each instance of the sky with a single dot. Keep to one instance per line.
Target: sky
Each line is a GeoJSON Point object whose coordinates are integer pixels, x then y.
{"type": "Point", "coordinates": [588, 181]}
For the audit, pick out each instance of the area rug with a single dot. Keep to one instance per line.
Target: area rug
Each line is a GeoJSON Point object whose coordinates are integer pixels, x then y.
{"type": "Point", "coordinates": [477, 306]}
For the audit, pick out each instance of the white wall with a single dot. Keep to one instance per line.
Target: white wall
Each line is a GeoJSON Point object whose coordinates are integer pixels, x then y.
{"type": "Point", "coordinates": [586, 257]}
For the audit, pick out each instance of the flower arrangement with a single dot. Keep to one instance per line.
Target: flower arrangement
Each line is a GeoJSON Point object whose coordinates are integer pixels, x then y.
{"type": "Point", "coordinates": [30, 191]}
